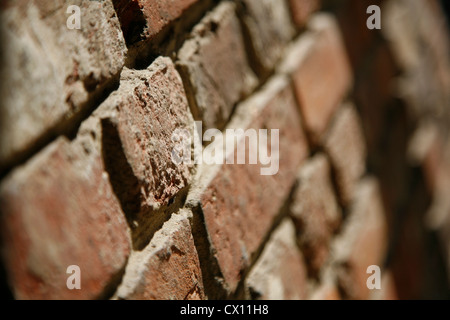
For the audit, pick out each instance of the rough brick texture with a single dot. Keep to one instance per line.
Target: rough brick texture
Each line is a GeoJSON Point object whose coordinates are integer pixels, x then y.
{"type": "Point", "coordinates": [70, 217]}
{"type": "Point", "coordinates": [94, 121]}
{"type": "Point", "coordinates": [148, 107]}
{"type": "Point", "coordinates": [268, 24]}
{"type": "Point", "coordinates": [146, 19]}
{"type": "Point", "coordinates": [280, 273]}
{"type": "Point", "coordinates": [168, 268]}
{"type": "Point", "coordinates": [136, 124]}
{"type": "Point", "coordinates": [237, 239]}
{"type": "Point", "coordinates": [59, 69]}
{"type": "Point", "coordinates": [215, 66]}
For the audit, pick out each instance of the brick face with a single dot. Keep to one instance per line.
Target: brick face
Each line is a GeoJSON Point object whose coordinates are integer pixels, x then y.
{"type": "Point", "coordinates": [269, 27]}
{"type": "Point", "coordinates": [59, 69]}
{"type": "Point", "coordinates": [237, 218]}
{"type": "Point", "coordinates": [145, 111]}
{"type": "Point", "coordinates": [135, 125]}
{"type": "Point", "coordinates": [146, 19]}
{"type": "Point", "coordinates": [215, 66]}
{"type": "Point", "coordinates": [319, 93]}
{"type": "Point", "coordinates": [168, 268]}
{"type": "Point", "coordinates": [71, 217]}
{"type": "Point", "coordinates": [280, 273]}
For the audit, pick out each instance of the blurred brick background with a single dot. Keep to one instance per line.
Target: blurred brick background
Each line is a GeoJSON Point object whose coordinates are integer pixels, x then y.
{"type": "Point", "coordinates": [86, 123]}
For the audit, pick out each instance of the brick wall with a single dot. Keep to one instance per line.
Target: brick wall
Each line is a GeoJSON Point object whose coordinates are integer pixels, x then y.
{"type": "Point", "coordinates": [87, 119]}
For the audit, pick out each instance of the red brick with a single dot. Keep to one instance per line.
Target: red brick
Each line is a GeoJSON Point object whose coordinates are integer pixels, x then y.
{"type": "Point", "coordinates": [132, 133]}
{"type": "Point", "coordinates": [168, 268]}
{"type": "Point", "coordinates": [52, 72]}
{"type": "Point", "coordinates": [237, 217]}
{"type": "Point", "coordinates": [215, 66]}
{"type": "Point", "coordinates": [151, 104]}
{"type": "Point", "coordinates": [146, 19]}
{"type": "Point", "coordinates": [270, 28]}
{"type": "Point", "coordinates": [315, 211]}
{"type": "Point", "coordinates": [280, 273]}
{"type": "Point", "coordinates": [59, 210]}
{"type": "Point", "coordinates": [346, 149]}
{"type": "Point", "coordinates": [363, 241]}
{"type": "Point", "coordinates": [302, 9]}
{"type": "Point", "coordinates": [136, 124]}
{"type": "Point", "coordinates": [319, 92]}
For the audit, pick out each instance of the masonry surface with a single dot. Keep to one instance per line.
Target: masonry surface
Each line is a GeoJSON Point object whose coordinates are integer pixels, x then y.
{"type": "Point", "coordinates": [87, 177]}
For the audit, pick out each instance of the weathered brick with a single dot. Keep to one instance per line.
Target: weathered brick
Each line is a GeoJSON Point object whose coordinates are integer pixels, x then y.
{"type": "Point", "coordinates": [215, 67]}
{"type": "Point", "coordinates": [280, 273]}
{"type": "Point", "coordinates": [319, 92]}
{"type": "Point", "coordinates": [363, 241]}
{"type": "Point", "coordinates": [237, 217]}
{"type": "Point", "coordinates": [60, 210]}
{"type": "Point", "coordinates": [148, 107]}
{"type": "Point", "coordinates": [346, 149]}
{"type": "Point", "coordinates": [136, 124]}
{"type": "Point", "coordinates": [269, 26]}
{"type": "Point", "coordinates": [315, 211]}
{"type": "Point", "coordinates": [168, 268]}
{"type": "Point", "coordinates": [50, 73]}
{"type": "Point", "coordinates": [302, 9]}
{"type": "Point", "coordinates": [148, 19]}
